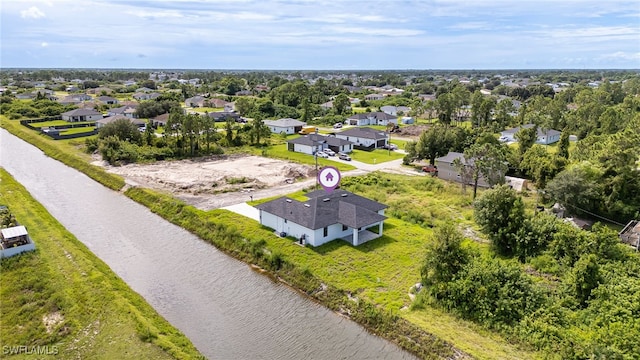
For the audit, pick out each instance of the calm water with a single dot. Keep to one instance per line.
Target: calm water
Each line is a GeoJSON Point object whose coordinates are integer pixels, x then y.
{"type": "Point", "coordinates": [227, 310]}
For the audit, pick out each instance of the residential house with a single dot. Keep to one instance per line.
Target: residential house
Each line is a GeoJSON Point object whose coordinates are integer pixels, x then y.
{"type": "Point", "coordinates": [127, 110]}
{"type": "Point", "coordinates": [15, 240]}
{"type": "Point", "coordinates": [394, 110]}
{"type": "Point", "coordinates": [325, 217]}
{"type": "Point", "coordinates": [160, 120]}
{"type": "Point", "coordinates": [108, 100]}
{"type": "Point", "coordinates": [310, 144]}
{"type": "Point", "coordinates": [287, 126]}
{"type": "Point", "coordinates": [195, 101]}
{"type": "Point", "coordinates": [221, 116]}
{"type": "Point", "coordinates": [365, 138]}
{"type": "Point", "coordinates": [545, 137]}
{"type": "Point", "coordinates": [244, 93]}
{"type": "Point", "coordinates": [144, 89]}
{"type": "Point", "coordinates": [102, 122]}
{"type": "Point", "coordinates": [217, 103]}
{"type": "Point", "coordinates": [427, 97]}
{"type": "Point", "coordinates": [370, 97]}
{"type": "Point", "coordinates": [447, 171]}
{"type": "Point", "coordinates": [372, 118]}
{"type": "Point", "coordinates": [145, 96]}
{"type": "Point", "coordinates": [630, 234]}
{"type": "Point", "coordinates": [81, 115]}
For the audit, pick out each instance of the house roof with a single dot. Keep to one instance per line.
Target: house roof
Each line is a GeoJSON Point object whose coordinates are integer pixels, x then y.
{"type": "Point", "coordinates": [122, 109]}
{"type": "Point", "coordinates": [107, 98]}
{"type": "Point", "coordinates": [288, 122]}
{"type": "Point", "coordinates": [322, 209]}
{"type": "Point", "coordinates": [631, 233]}
{"type": "Point", "coordinates": [223, 115]}
{"type": "Point", "coordinates": [548, 133]}
{"type": "Point", "coordinates": [364, 132]}
{"type": "Point", "coordinates": [113, 118]}
{"type": "Point", "coordinates": [315, 139]}
{"type": "Point", "coordinates": [379, 115]}
{"type": "Point", "coordinates": [81, 112]}
{"type": "Point", "coordinates": [15, 231]}
{"type": "Point", "coordinates": [450, 157]}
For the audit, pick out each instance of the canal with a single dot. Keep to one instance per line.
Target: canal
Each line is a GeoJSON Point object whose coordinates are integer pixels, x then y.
{"type": "Point", "coordinates": [226, 309]}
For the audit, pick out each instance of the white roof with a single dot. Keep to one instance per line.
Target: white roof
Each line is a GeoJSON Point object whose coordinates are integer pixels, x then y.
{"type": "Point", "coordinates": [15, 231]}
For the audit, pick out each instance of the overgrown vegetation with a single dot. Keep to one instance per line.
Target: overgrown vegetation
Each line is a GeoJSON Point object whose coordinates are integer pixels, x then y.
{"type": "Point", "coordinates": [571, 297]}
{"type": "Point", "coordinates": [63, 296]}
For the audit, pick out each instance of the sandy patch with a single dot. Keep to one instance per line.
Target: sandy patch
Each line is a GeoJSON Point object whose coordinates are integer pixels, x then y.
{"type": "Point", "coordinates": [52, 320]}
{"type": "Point", "coordinates": [213, 175]}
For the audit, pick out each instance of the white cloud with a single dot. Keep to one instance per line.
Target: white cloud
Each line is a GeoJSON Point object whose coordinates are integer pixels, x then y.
{"type": "Point", "coordinates": [155, 14]}
{"type": "Point", "coordinates": [375, 31]}
{"type": "Point", "coordinates": [32, 13]}
{"type": "Point", "coordinates": [621, 55]}
{"type": "Point", "coordinates": [44, 44]}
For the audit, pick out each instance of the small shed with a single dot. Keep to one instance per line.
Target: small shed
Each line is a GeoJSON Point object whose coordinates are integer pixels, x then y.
{"type": "Point", "coordinates": [631, 234]}
{"type": "Point", "coordinates": [15, 240]}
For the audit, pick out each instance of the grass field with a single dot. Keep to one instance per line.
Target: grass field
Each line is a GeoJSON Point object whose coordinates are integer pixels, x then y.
{"type": "Point", "coordinates": [281, 152]}
{"type": "Point", "coordinates": [375, 156]}
{"type": "Point", "coordinates": [383, 270]}
{"type": "Point", "coordinates": [58, 123]}
{"type": "Point", "coordinates": [89, 312]}
{"type": "Point", "coordinates": [206, 109]}
{"type": "Point", "coordinates": [80, 130]}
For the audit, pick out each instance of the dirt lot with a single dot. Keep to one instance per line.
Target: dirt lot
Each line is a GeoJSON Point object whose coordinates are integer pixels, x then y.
{"type": "Point", "coordinates": [412, 130]}
{"type": "Point", "coordinates": [227, 177]}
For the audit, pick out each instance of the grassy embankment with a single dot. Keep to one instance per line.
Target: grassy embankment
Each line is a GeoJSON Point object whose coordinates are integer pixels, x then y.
{"type": "Point", "coordinates": [90, 312]}
{"type": "Point", "coordinates": [379, 272]}
{"type": "Point", "coordinates": [64, 151]}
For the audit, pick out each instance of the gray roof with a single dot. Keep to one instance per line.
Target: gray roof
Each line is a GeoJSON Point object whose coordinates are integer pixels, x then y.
{"type": "Point", "coordinates": [288, 122]}
{"type": "Point", "coordinates": [322, 209]}
{"type": "Point", "coordinates": [113, 118]}
{"type": "Point", "coordinates": [221, 115]}
{"type": "Point", "coordinates": [364, 132]}
{"type": "Point", "coordinates": [81, 112]}
{"type": "Point", "coordinates": [314, 139]}
{"type": "Point", "coordinates": [379, 115]}
{"type": "Point", "coordinates": [450, 157]}
{"type": "Point", "coordinates": [547, 133]}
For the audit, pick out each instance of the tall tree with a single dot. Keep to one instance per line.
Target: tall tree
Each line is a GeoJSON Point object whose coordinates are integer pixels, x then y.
{"type": "Point", "coordinates": [341, 104]}
{"type": "Point", "coordinates": [486, 160]}
{"type": "Point", "coordinates": [563, 145]}
{"type": "Point", "coordinates": [526, 138]}
{"type": "Point", "coordinates": [500, 214]}
{"type": "Point", "coordinates": [445, 256]}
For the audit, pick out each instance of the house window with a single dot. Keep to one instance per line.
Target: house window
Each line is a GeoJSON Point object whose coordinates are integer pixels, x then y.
{"type": "Point", "coordinates": [344, 227]}
{"type": "Point", "coordinates": [285, 221]}
{"type": "Point", "coordinates": [325, 231]}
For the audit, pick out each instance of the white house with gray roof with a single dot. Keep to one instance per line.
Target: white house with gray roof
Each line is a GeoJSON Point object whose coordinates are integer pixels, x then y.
{"type": "Point", "coordinates": [545, 137]}
{"type": "Point", "coordinates": [287, 126]}
{"type": "Point", "coordinates": [311, 143]}
{"type": "Point", "coordinates": [81, 115]}
{"type": "Point", "coordinates": [372, 118]}
{"type": "Point", "coordinates": [325, 217]}
{"type": "Point", "coordinates": [364, 137]}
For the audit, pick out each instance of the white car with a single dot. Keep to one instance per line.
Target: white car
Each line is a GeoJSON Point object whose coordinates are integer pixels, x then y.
{"type": "Point", "coordinates": [503, 139]}
{"type": "Point", "coordinates": [322, 154]}
{"type": "Point", "coordinates": [329, 152]}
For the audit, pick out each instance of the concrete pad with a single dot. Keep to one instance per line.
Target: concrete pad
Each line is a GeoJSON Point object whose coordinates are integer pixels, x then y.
{"type": "Point", "coordinates": [244, 209]}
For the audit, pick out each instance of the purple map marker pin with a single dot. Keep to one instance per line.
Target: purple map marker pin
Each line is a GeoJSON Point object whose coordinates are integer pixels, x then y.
{"type": "Point", "coordinates": [329, 178]}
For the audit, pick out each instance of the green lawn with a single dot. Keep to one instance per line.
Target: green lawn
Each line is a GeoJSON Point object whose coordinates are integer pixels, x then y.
{"type": "Point", "coordinates": [96, 314]}
{"type": "Point", "coordinates": [207, 109]}
{"type": "Point", "coordinates": [376, 156]}
{"type": "Point", "coordinates": [383, 270]}
{"type": "Point", "coordinates": [79, 130]}
{"type": "Point", "coordinates": [281, 152]}
{"type": "Point", "coordinates": [401, 143]}
{"type": "Point", "coordinates": [58, 123]}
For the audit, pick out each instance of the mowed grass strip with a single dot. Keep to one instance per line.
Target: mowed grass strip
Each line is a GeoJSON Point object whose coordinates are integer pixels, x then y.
{"type": "Point", "coordinates": [375, 156]}
{"type": "Point", "coordinates": [64, 297]}
{"type": "Point", "coordinates": [65, 151]}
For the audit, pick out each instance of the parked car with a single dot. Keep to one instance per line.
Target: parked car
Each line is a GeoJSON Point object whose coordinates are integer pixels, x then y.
{"type": "Point", "coordinates": [430, 169]}
{"type": "Point", "coordinates": [337, 125]}
{"type": "Point", "coordinates": [503, 139]}
{"type": "Point", "coordinates": [329, 152]}
{"type": "Point", "coordinates": [390, 147]}
{"type": "Point", "coordinates": [343, 156]}
{"type": "Point", "coordinates": [322, 154]}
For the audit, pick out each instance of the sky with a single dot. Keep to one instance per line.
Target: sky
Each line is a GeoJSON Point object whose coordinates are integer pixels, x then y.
{"type": "Point", "coordinates": [320, 34]}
